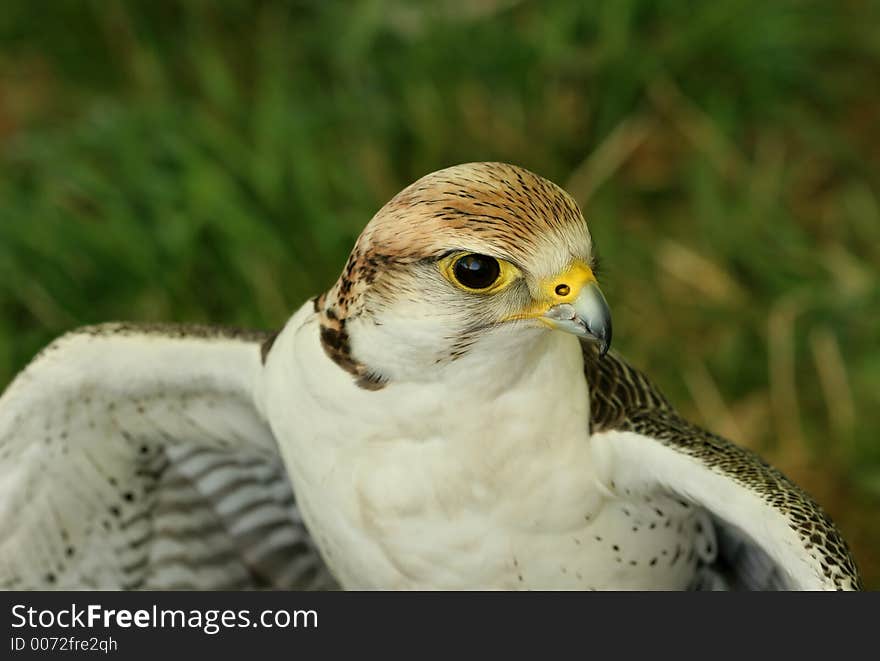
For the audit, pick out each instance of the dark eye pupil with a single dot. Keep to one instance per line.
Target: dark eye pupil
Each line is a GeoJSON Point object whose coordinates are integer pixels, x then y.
{"type": "Point", "coordinates": [477, 271]}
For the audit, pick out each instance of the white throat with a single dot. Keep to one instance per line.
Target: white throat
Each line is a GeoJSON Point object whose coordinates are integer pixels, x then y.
{"type": "Point", "coordinates": [495, 435]}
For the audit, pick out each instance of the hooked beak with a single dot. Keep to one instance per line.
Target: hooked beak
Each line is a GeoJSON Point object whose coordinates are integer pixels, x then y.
{"type": "Point", "coordinates": [586, 315]}
{"type": "Point", "coordinates": [572, 302]}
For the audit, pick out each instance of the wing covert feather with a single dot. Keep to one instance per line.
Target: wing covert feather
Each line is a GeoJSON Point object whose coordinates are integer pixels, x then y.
{"type": "Point", "coordinates": [136, 457]}
{"type": "Point", "coordinates": [771, 532]}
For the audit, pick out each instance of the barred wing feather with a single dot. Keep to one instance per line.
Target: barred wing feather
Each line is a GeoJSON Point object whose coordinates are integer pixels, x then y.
{"type": "Point", "coordinates": [136, 457]}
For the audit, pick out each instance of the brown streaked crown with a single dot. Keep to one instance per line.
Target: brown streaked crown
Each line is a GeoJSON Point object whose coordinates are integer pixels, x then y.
{"type": "Point", "coordinates": [502, 204]}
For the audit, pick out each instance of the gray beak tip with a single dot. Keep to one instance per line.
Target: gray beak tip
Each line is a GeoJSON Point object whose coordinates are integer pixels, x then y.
{"type": "Point", "coordinates": [587, 316]}
{"type": "Point", "coordinates": [604, 342]}
{"type": "Point", "coordinates": [602, 333]}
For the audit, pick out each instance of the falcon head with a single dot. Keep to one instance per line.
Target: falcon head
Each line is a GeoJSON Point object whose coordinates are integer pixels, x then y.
{"type": "Point", "coordinates": [480, 257]}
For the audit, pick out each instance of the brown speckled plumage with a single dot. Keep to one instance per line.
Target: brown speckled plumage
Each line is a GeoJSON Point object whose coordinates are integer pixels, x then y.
{"type": "Point", "coordinates": [169, 330]}
{"type": "Point", "coordinates": [178, 331]}
{"type": "Point", "coordinates": [622, 398]}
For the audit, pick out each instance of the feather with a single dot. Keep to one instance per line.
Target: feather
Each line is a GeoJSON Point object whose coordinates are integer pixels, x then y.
{"type": "Point", "coordinates": [136, 457]}
{"type": "Point", "coordinates": [771, 534]}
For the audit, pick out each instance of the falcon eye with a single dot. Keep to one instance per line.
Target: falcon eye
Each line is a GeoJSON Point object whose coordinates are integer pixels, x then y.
{"type": "Point", "coordinates": [478, 274]}
{"type": "Point", "coordinates": [476, 271]}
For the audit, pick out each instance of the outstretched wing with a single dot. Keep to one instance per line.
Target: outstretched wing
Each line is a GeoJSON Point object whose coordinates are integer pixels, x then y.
{"type": "Point", "coordinates": [136, 457]}
{"type": "Point", "coordinates": [771, 535]}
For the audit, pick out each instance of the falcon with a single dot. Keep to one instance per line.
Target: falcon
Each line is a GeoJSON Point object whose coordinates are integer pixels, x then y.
{"type": "Point", "coordinates": [446, 416]}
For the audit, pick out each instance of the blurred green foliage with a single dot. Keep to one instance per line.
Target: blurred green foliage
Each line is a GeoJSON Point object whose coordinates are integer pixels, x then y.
{"type": "Point", "coordinates": [215, 161]}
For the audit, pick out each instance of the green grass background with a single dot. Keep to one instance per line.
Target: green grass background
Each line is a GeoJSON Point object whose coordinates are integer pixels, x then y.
{"type": "Point", "coordinates": [214, 162]}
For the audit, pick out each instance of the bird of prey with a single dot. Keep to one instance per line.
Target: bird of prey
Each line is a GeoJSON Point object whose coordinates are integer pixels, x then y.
{"type": "Point", "coordinates": [446, 416]}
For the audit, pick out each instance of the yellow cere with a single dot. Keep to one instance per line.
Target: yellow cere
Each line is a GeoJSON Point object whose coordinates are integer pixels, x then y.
{"type": "Point", "coordinates": [567, 286]}
{"type": "Point", "coordinates": [563, 288]}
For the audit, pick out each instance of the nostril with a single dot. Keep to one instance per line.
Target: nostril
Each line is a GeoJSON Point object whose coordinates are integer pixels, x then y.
{"type": "Point", "coordinates": [563, 290]}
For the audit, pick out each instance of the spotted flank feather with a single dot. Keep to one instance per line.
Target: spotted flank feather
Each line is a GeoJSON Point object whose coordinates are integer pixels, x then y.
{"type": "Point", "coordinates": [134, 457]}
{"type": "Point", "coordinates": [622, 399]}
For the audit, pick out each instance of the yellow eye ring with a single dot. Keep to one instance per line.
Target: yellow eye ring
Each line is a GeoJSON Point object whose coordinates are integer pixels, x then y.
{"type": "Point", "coordinates": [478, 274]}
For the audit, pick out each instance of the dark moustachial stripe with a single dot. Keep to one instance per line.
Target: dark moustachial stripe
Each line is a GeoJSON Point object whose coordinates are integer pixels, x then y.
{"type": "Point", "coordinates": [335, 341]}
{"type": "Point", "coordinates": [267, 345]}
